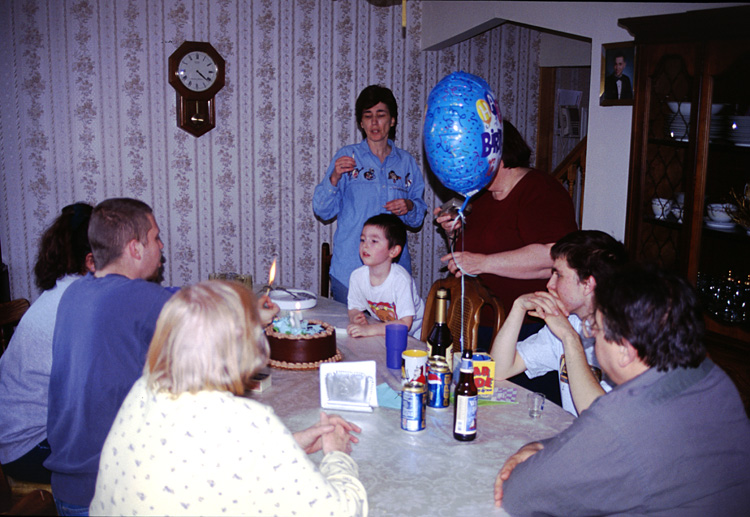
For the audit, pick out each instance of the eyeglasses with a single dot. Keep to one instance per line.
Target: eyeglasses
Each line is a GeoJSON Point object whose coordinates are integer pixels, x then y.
{"type": "Point", "coordinates": [590, 328]}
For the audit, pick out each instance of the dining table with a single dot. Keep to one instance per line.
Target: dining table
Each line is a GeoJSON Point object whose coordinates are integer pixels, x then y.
{"type": "Point", "coordinates": [414, 473]}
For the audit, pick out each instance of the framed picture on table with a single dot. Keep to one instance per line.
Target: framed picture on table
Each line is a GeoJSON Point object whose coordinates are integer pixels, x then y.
{"type": "Point", "coordinates": [617, 86]}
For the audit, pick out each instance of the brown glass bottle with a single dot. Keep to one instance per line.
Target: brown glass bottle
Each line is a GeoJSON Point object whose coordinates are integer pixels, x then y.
{"type": "Point", "coordinates": [440, 341]}
{"type": "Point", "coordinates": [465, 408]}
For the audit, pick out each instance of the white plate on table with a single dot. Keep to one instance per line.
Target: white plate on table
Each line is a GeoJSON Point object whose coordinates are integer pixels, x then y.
{"type": "Point", "coordinates": [293, 299]}
{"type": "Point", "coordinates": [714, 225]}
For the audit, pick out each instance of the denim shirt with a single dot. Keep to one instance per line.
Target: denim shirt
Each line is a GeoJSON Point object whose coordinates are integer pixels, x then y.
{"type": "Point", "coordinates": [362, 194]}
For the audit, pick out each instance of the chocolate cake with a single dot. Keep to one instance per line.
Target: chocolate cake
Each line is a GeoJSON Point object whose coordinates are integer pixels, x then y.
{"type": "Point", "coordinates": [302, 348]}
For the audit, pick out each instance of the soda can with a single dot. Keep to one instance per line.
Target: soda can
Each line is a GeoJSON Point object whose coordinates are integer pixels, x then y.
{"type": "Point", "coordinates": [413, 402]}
{"type": "Point", "coordinates": [439, 380]}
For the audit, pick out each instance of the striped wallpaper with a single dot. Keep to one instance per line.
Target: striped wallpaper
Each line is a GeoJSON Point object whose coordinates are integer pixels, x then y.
{"type": "Point", "coordinates": [87, 113]}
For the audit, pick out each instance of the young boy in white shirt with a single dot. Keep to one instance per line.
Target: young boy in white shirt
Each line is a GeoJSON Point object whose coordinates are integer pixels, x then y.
{"type": "Point", "coordinates": [580, 260]}
{"type": "Point", "coordinates": [381, 287]}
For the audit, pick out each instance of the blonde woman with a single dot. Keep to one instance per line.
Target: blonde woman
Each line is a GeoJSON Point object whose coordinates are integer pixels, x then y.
{"type": "Point", "coordinates": [186, 441]}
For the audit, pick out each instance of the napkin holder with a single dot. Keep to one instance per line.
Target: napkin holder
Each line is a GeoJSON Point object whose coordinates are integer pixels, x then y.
{"type": "Point", "coordinates": [348, 386]}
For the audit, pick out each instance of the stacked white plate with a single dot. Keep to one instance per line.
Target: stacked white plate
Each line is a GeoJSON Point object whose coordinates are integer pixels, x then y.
{"type": "Point", "coordinates": [739, 130]}
{"type": "Point", "coordinates": [678, 129]}
{"type": "Point", "coordinates": [679, 124]}
{"type": "Point", "coordinates": [718, 128]}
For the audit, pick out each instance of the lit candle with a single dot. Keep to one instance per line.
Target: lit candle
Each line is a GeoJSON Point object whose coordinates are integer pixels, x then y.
{"type": "Point", "coordinates": [296, 316]}
{"type": "Point", "coordinates": [271, 275]}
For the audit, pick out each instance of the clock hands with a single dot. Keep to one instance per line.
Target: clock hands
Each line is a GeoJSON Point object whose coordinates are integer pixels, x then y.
{"type": "Point", "coordinates": [200, 74]}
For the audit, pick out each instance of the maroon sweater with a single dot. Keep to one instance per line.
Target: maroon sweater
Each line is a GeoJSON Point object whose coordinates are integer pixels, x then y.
{"type": "Point", "coordinates": [537, 210]}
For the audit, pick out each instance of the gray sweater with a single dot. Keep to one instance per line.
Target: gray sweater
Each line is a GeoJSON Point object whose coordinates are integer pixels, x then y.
{"type": "Point", "coordinates": [664, 443]}
{"type": "Point", "coordinates": [24, 376]}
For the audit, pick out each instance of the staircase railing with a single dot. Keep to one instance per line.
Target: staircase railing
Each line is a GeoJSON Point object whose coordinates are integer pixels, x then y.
{"type": "Point", "coordinates": [572, 174]}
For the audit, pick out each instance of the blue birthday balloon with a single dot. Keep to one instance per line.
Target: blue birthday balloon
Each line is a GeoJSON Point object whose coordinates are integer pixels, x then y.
{"type": "Point", "coordinates": [463, 133]}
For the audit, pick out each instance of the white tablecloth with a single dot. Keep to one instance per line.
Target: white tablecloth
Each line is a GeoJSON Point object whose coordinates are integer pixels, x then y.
{"type": "Point", "coordinates": [425, 473]}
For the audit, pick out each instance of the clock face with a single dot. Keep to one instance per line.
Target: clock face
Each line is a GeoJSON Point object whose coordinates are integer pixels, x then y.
{"type": "Point", "coordinates": [197, 71]}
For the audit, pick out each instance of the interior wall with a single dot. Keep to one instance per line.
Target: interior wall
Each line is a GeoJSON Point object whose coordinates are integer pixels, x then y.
{"type": "Point", "coordinates": [560, 51]}
{"type": "Point", "coordinates": [609, 130]}
{"type": "Point", "coordinates": [87, 114]}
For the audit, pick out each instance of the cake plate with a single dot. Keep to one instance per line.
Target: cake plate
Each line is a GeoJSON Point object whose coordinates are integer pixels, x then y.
{"type": "Point", "coordinates": [293, 299]}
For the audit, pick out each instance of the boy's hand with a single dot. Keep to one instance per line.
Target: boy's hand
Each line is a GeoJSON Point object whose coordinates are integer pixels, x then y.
{"type": "Point", "coordinates": [359, 318]}
{"type": "Point", "coordinates": [365, 330]}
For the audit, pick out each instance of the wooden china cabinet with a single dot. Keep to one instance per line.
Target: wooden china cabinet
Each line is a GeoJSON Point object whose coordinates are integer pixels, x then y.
{"type": "Point", "coordinates": [691, 146]}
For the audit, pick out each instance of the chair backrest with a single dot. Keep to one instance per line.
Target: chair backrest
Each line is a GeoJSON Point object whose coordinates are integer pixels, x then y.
{"type": "Point", "coordinates": [25, 498]}
{"type": "Point", "coordinates": [5, 493]}
{"type": "Point", "coordinates": [476, 297]}
{"type": "Point", "coordinates": [10, 314]}
{"type": "Point", "coordinates": [325, 266]}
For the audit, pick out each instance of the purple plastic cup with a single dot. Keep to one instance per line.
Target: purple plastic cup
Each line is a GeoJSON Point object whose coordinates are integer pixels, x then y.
{"type": "Point", "coordinates": [395, 344]}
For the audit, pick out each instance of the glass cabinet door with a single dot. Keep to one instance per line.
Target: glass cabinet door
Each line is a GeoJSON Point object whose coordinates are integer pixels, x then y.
{"type": "Point", "coordinates": [723, 262]}
{"type": "Point", "coordinates": [666, 177]}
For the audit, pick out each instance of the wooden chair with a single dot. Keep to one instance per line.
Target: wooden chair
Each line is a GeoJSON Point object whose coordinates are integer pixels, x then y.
{"type": "Point", "coordinates": [325, 266]}
{"type": "Point", "coordinates": [19, 498]}
{"type": "Point", "coordinates": [476, 298]}
{"type": "Point", "coordinates": [10, 314]}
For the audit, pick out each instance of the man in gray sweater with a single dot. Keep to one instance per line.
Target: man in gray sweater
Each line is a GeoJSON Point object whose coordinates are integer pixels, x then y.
{"type": "Point", "coordinates": [672, 438]}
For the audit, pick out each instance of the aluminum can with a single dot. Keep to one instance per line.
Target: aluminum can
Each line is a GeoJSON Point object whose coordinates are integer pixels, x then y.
{"type": "Point", "coordinates": [413, 402]}
{"type": "Point", "coordinates": [439, 380]}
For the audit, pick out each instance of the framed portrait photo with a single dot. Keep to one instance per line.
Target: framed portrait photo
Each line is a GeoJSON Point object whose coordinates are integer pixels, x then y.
{"type": "Point", "coordinates": [618, 74]}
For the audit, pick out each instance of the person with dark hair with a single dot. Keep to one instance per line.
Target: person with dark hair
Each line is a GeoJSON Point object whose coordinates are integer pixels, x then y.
{"type": "Point", "coordinates": [105, 322]}
{"type": "Point", "coordinates": [365, 179]}
{"type": "Point", "coordinates": [617, 85]}
{"type": "Point", "coordinates": [64, 255]}
{"type": "Point", "coordinates": [384, 289]}
{"type": "Point", "coordinates": [581, 260]}
{"type": "Point", "coordinates": [672, 438]}
{"type": "Point", "coordinates": [512, 225]}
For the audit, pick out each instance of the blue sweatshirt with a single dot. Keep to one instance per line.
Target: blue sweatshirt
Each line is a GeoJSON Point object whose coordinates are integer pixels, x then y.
{"type": "Point", "coordinates": [103, 330]}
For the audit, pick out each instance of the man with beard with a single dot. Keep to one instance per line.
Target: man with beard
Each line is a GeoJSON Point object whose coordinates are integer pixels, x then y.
{"type": "Point", "coordinates": [105, 323]}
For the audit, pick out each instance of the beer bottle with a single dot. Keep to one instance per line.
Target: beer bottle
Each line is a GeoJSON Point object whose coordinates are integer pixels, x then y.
{"type": "Point", "coordinates": [440, 341]}
{"type": "Point", "coordinates": [465, 409]}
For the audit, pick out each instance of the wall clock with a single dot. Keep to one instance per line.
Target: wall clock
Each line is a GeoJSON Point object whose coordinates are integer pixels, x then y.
{"type": "Point", "coordinates": [196, 72]}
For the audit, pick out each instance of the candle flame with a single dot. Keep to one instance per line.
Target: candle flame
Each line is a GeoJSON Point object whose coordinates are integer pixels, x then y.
{"type": "Point", "coordinates": [272, 273]}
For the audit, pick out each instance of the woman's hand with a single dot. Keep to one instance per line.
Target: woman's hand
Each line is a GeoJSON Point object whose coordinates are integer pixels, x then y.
{"type": "Point", "coordinates": [448, 221]}
{"type": "Point", "coordinates": [342, 165]}
{"type": "Point", "coordinates": [341, 438]}
{"type": "Point", "coordinates": [314, 438]}
{"type": "Point", "coordinates": [399, 206]}
{"type": "Point", "coordinates": [267, 309]}
{"type": "Point", "coordinates": [471, 263]}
